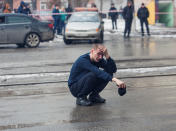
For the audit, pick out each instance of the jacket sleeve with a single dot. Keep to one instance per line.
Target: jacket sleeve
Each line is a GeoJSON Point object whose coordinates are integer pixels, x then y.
{"type": "Point", "coordinates": [147, 13]}
{"type": "Point", "coordinates": [54, 16]}
{"type": "Point", "coordinates": [85, 64]}
{"type": "Point", "coordinates": [138, 13]}
{"type": "Point", "coordinates": [109, 65]}
{"type": "Point", "coordinates": [19, 10]}
{"type": "Point", "coordinates": [124, 13]}
{"type": "Point", "coordinates": [110, 13]}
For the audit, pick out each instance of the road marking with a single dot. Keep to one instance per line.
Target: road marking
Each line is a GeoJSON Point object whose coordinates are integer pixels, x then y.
{"type": "Point", "coordinates": [38, 75]}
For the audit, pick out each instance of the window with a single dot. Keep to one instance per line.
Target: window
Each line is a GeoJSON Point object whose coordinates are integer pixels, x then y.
{"type": "Point", "coordinates": [17, 19]}
{"type": "Point", "coordinates": [43, 5]}
{"type": "Point", "coordinates": [2, 19]}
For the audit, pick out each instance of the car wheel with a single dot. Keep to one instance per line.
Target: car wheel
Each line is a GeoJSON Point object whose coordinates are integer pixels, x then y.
{"type": "Point", "coordinates": [21, 45]}
{"type": "Point", "coordinates": [32, 40]}
{"type": "Point", "coordinates": [67, 42]}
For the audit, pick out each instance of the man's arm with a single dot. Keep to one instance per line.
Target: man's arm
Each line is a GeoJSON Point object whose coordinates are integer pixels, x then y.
{"type": "Point", "coordinates": [124, 13]}
{"type": "Point", "coordinates": [147, 12]}
{"type": "Point", "coordinates": [109, 65]}
{"type": "Point", "coordinates": [119, 83]}
{"type": "Point", "coordinates": [138, 13]}
{"type": "Point", "coordinates": [85, 64]}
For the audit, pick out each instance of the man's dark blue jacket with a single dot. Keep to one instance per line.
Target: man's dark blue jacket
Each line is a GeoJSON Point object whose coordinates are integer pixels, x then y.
{"type": "Point", "coordinates": [143, 13]}
{"type": "Point", "coordinates": [128, 12]}
{"type": "Point", "coordinates": [113, 13]}
{"type": "Point", "coordinates": [84, 65]}
{"type": "Point", "coordinates": [56, 16]}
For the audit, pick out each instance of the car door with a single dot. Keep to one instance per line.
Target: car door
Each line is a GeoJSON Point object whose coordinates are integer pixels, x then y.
{"type": "Point", "coordinates": [17, 28]}
{"type": "Point", "coordinates": [3, 34]}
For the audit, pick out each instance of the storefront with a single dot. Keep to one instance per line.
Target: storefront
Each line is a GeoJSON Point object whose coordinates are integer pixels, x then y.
{"type": "Point", "coordinates": [165, 12]}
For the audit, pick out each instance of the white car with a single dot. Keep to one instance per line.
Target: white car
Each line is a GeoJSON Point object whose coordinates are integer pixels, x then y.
{"type": "Point", "coordinates": [84, 25]}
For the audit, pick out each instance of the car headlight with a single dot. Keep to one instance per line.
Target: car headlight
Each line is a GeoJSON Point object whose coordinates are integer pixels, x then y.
{"type": "Point", "coordinates": [97, 30]}
{"type": "Point", "coordinates": [69, 30]}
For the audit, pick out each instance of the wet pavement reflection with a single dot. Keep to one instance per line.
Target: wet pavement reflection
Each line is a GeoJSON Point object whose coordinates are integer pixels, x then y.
{"type": "Point", "coordinates": [34, 95]}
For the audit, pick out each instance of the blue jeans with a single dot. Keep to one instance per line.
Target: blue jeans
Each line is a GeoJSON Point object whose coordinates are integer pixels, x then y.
{"type": "Point", "coordinates": [57, 27]}
{"type": "Point", "coordinates": [62, 27]}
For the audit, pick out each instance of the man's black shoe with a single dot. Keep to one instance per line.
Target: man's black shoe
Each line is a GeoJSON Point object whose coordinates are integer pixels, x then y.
{"type": "Point", "coordinates": [97, 99]}
{"type": "Point", "coordinates": [83, 101]}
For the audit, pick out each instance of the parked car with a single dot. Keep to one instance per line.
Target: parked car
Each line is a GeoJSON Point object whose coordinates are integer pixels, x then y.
{"type": "Point", "coordinates": [84, 25]}
{"type": "Point", "coordinates": [43, 15]}
{"type": "Point", "coordinates": [24, 30]}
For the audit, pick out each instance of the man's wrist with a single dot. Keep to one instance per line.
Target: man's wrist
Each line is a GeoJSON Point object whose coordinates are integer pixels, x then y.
{"type": "Point", "coordinates": [107, 56]}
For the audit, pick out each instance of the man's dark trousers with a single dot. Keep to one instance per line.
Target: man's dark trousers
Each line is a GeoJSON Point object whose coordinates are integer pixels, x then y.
{"type": "Point", "coordinates": [55, 25]}
{"type": "Point", "coordinates": [114, 23]}
{"type": "Point", "coordinates": [88, 84]}
{"type": "Point", "coordinates": [142, 21]}
{"type": "Point", "coordinates": [128, 23]}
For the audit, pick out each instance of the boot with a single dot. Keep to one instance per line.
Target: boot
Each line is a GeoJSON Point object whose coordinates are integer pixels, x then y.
{"type": "Point", "coordinates": [83, 101]}
{"type": "Point", "coordinates": [96, 99]}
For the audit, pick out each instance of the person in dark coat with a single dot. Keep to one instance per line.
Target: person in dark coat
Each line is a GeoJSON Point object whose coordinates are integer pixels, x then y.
{"type": "Point", "coordinates": [143, 14]}
{"type": "Point", "coordinates": [114, 15]}
{"type": "Point", "coordinates": [69, 10]}
{"type": "Point", "coordinates": [22, 8]}
{"type": "Point", "coordinates": [28, 10]}
{"type": "Point", "coordinates": [88, 78]}
{"type": "Point", "coordinates": [128, 17]}
{"type": "Point", "coordinates": [57, 19]}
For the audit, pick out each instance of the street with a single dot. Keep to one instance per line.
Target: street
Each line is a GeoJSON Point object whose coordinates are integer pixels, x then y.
{"type": "Point", "coordinates": [34, 94]}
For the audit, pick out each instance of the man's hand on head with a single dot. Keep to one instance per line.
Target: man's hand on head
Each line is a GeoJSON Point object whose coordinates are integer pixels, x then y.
{"type": "Point", "coordinates": [105, 52]}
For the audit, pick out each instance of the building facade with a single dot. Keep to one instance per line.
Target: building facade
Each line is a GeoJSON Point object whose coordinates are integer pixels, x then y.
{"type": "Point", "coordinates": [161, 11]}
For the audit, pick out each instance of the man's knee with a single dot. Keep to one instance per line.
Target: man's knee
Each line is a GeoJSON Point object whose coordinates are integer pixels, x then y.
{"type": "Point", "coordinates": [92, 76]}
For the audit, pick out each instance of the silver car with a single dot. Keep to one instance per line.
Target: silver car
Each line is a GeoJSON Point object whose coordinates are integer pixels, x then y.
{"type": "Point", "coordinates": [85, 25]}
{"type": "Point", "coordinates": [24, 30]}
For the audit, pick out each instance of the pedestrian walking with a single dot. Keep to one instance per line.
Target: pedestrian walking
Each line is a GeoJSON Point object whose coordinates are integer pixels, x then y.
{"type": "Point", "coordinates": [143, 15]}
{"type": "Point", "coordinates": [69, 10]}
{"type": "Point", "coordinates": [128, 17]}
{"type": "Point", "coordinates": [7, 8]}
{"type": "Point", "coordinates": [113, 14]}
{"type": "Point", "coordinates": [87, 79]}
{"type": "Point", "coordinates": [57, 20]}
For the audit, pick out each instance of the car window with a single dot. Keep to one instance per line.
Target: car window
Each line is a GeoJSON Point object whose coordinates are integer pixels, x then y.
{"type": "Point", "coordinates": [84, 17]}
{"type": "Point", "coordinates": [2, 19]}
{"type": "Point", "coordinates": [17, 19]}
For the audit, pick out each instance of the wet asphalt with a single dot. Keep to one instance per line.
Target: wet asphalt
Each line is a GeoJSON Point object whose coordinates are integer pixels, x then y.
{"type": "Point", "coordinates": [34, 95]}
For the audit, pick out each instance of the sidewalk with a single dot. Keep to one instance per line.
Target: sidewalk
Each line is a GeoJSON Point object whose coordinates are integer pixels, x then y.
{"type": "Point", "coordinates": [157, 30]}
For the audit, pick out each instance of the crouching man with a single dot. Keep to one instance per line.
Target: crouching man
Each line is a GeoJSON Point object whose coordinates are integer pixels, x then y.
{"type": "Point", "coordinates": [90, 74]}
